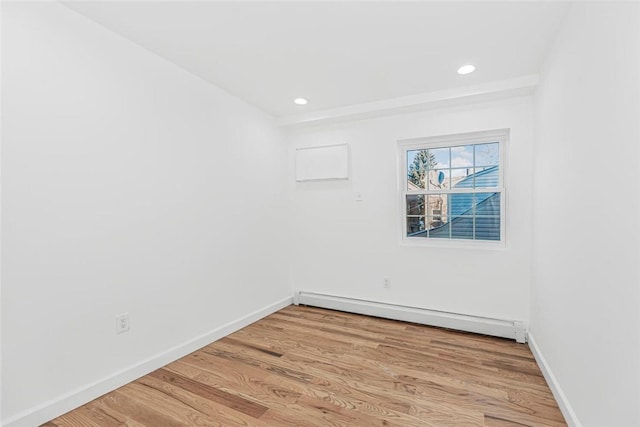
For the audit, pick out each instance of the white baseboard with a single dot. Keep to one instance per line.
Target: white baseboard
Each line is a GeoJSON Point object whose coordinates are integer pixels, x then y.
{"type": "Point", "coordinates": [482, 325]}
{"type": "Point", "coordinates": [63, 404]}
{"type": "Point", "coordinates": [565, 407]}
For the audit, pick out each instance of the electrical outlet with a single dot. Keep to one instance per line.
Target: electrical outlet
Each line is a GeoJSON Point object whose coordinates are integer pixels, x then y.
{"type": "Point", "coordinates": [386, 283]}
{"type": "Point", "coordinates": [123, 323]}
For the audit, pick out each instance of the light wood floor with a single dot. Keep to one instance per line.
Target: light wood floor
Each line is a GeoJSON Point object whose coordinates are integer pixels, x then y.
{"type": "Point", "coordinates": [305, 366]}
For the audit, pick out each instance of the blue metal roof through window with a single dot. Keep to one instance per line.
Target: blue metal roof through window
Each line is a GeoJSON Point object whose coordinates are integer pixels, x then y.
{"type": "Point", "coordinates": [461, 204]}
{"type": "Point", "coordinates": [487, 221]}
{"type": "Point", "coordinates": [486, 213]}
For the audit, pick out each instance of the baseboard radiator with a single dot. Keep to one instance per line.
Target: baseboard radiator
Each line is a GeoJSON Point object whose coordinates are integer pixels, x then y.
{"type": "Point", "coordinates": [512, 329]}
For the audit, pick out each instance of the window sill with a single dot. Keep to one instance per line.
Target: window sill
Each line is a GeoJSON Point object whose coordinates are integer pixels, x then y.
{"type": "Point", "coordinates": [453, 243]}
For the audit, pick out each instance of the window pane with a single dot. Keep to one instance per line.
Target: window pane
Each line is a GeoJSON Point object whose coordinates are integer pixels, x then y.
{"type": "Point", "coordinates": [487, 216]}
{"type": "Point", "coordinates": [415, 205]}
{"type": "Point", "coordinates": [442, 232]}
{"type": "Point", "coordinates": [487, 204]}
{"type": "Point", "coordinates": [415, 224]}
{"type": "Point", "coordinates": [439, 179]}
{"type": "Point", "coordinates": [417, 164]}
{"type": "Point", "coordinates": [439, 158]}
{"type": "Point", "coordinates": [462, 178]}
{"type": "Point", "coordinates": [461, 172]}
{"type": "Point", "coordinates": [461, 204]}
{"type": "Point", "coordinates": [435, 222]}
{"type": "Point", "coordinates": [437, 209]}
{"type": "Point", "coordinates": [462, 156]}
{"type": "Point", "coordinates": [415, 214]}
{"type": "Point", "coordinates": [487, 177]}
{"type": "Point", "coordinates": [487, 228]}
{"type": "Point", "coordinates": [487, 154]}
{"type": "Point", "coordinates": [462, 227]}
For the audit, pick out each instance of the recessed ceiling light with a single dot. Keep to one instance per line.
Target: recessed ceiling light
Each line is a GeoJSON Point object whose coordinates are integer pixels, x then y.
{"type": "Point", "coordinates": [466, 69]}
{"type": "Point", "coordinates": [300, 101]}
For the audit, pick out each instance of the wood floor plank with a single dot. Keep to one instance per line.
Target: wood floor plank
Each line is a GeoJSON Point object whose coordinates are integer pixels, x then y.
{"type": "Point", "coordinates": [153, 406]}
{"type": "Point", "coordinates": [141, 410]}
{"type": "Point", "coordinates": [490, 421]}
{"type": "Point", "coordinates": [195, 404]}
{"type": "Point", "coordinates": [75, 419]}
{"type": "Point", "coordinates": [263, 389]}
{"type": "Point", "coordinates": [99, 417]}
{"type": "Point", "coordinates": [99, 406]}
{"type": "Point", "coordinates": [205, 391]}
{"type": "Point", "coordinates": [305, 366]}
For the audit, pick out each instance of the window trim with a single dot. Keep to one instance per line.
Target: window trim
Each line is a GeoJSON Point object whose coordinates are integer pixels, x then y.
{"type": "Point", "coordinates": [404, 145]}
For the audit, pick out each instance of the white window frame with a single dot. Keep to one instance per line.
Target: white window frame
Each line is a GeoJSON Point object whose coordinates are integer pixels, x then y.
{"type": "Point", "coordinates": [499, 135]}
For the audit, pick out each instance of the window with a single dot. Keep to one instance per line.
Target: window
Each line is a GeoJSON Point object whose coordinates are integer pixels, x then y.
{"type": "Point", "coordinates": [452, 188]}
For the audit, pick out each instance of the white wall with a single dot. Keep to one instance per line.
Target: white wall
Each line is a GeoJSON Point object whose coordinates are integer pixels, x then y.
{"type": "Point", "coordinates": [585, 299]}
{"type": "Point", "coordinates": [344, 247]}
{"type": "Point", "coordinates": [128, 185]}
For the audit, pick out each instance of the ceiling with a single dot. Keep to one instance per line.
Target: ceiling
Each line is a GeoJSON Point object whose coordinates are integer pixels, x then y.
{"type": "Point", "coordinates": [337, 54]}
